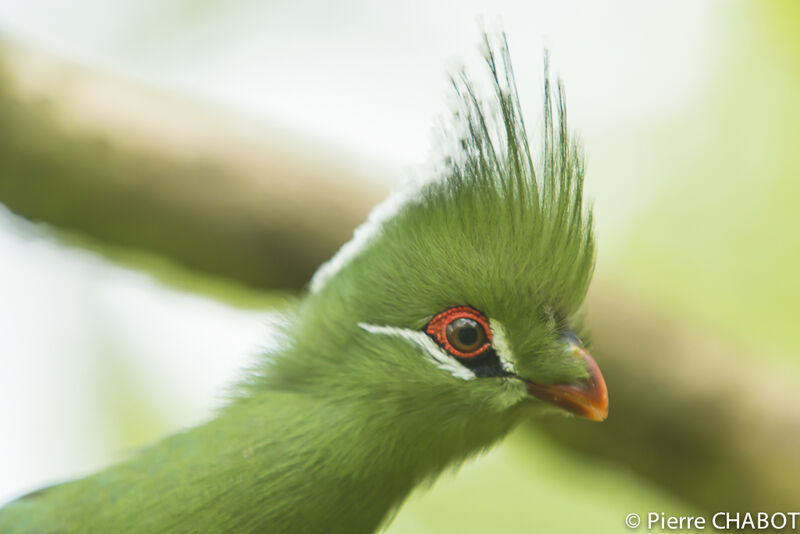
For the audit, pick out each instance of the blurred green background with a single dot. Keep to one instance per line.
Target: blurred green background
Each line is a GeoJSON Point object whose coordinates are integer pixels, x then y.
{"type": "Point", "coordinates": [172, 172]}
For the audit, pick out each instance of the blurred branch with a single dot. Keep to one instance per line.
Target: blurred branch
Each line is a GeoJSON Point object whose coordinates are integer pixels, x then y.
{"type": "Point", "coordinates": [140, 168]}
{"type": "Point", "coordinates": [137, 168]}
{"type": "Point", "coordinates": [716, 427]}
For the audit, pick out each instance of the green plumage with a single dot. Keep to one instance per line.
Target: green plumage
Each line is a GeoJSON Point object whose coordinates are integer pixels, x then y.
{"type": "Point", "coordinates": [331, 432]}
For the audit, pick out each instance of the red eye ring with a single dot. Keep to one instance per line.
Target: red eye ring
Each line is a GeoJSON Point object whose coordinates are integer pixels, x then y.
{"type": "Point", "coordinates": [437, 329]}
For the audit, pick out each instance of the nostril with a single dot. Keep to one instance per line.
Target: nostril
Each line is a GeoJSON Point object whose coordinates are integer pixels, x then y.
{"type": "Point", "coordinates": [571, 338]}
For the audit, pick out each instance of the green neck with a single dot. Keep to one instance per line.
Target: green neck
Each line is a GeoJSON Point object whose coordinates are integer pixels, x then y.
{"type": "Point", "coordinates": [318, 465]}
{"type": "Point", "coordinates": [273, 462]}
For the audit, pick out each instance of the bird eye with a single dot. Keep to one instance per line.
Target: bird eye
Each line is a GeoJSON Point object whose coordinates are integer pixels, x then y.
{"type": "Point", "coordinates": [462, 331]}
{"type": "Point", "coordinates": [465, 334]}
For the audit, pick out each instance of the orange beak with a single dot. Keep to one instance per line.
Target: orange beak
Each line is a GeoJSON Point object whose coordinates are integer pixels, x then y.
{"type": "Point", "coordinates": [588, 398]}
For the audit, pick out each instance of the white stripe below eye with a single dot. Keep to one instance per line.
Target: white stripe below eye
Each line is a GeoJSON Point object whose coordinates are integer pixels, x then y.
{"type": "Point", "coordinates": [440, 358]}
{"type": "Point", "coordinates": [501, 346]}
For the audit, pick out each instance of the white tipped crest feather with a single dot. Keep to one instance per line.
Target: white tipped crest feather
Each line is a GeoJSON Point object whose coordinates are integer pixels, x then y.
{"type": "Point", "coordinates": [364, 234]}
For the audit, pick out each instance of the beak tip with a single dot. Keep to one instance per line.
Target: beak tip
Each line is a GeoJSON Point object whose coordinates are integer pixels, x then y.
{"type": "Point", "coordinates": [588, 400]}
{"type": "Point", "coordinates": [598, 413]}
{"type": "Point", "coordinates": [596, 398]}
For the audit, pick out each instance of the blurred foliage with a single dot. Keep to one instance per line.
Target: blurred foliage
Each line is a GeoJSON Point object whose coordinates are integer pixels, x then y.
{"type": "Point", "coordinates": [129, 420]}
{"type": "Point", "coordinates": [84, 182]}
{"type": "Point", "coordinates": [232, 192]}
{"type": "Point", "coordinates": [175, 275]}
{"type": "Point", "coordinates": [720, 243]}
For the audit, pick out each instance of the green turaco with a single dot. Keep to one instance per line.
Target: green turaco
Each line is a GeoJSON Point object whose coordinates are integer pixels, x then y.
{"type": "Point", "coordinates": [447, 319]}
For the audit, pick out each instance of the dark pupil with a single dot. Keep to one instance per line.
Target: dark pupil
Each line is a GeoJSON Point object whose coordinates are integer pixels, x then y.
{"type": "Point", "coordinates": [465, 334]}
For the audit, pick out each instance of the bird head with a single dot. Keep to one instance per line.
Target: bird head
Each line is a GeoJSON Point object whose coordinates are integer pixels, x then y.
{"type": "Point", "coordinates": [464, 291]}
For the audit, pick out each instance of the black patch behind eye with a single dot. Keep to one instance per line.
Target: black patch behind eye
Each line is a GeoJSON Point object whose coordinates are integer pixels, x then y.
{"type": "Point", "coordinates": [484, 365]}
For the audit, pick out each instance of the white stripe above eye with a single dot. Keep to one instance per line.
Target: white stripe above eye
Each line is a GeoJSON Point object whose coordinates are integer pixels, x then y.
{"type": "Point", "coordinates": [440, 358]}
